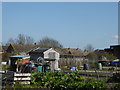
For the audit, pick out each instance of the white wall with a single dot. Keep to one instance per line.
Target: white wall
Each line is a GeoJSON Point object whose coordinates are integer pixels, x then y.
{"type": "Point", "coordinates": [47, 55]}
{"type": "Point", "coordinates": [50, 51]}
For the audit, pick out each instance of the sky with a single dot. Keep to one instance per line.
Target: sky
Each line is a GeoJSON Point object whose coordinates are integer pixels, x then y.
{"type": "Point", "coordinates": [73, 24]}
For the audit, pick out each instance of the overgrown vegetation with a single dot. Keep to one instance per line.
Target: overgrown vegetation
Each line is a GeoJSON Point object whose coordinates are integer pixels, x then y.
{"type": "Point", "coordinates": [5, 56]}
{"type": "Point", "coordinates": [66, 81]}
{"type": "Point", "coordinates": [69, 80]}
{"type": "Point", "coordinates": [115, 78]}
{"type": "Point", "coordinates": [104, 54]}
{"type": "Point", "coordinates": [117, 87]}
{"type": "Point", "coordinates": [99, 55]}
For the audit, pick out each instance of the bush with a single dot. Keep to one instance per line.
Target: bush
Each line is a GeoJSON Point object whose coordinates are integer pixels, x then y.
{"type": "Point", "coordinates": [117, 87]}
{"type": "Point", "coordinates": [115, 78]}
{"type": "Point", "coordinates": [69, 80]}
{"type": "Point", "coordinates": [95, 85]}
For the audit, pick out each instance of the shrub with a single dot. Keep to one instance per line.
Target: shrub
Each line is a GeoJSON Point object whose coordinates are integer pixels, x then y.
{"type": "Point", "coordinates": [69, 80]}
{"type": "Point", "coordinates": [117, 87]}
{"type": "Point", "coordinates": [115, 78]}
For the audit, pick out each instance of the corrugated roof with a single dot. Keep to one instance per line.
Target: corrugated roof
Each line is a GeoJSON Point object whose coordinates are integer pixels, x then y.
{"type": "Point", "coordinates": [39, 50]}
{"type": "Point", "coordinates": [20, 56]}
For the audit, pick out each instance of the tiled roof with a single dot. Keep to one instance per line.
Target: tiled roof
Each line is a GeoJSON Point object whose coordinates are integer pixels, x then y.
{"type": "Point", "coordinates": [73, 51]}
{"type": "Point", "coordinates": [24, 48]}
{"type": "Point", "coordinates": [4, 48]}
{"type": "Point", "coordinates": [99, 50]}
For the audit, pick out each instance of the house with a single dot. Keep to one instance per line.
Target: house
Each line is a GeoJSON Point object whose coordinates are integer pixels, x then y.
{"type": "Point", "coordinates": [45, 56]}
{"type": "Point", "coordinates": [99, 51]}
{"type": "Point", "coordinates": [114, 49]}
{"type": "Point", "coordinates": [72, 56]}
{"type": "Point", "coordinates": [18, 60]}
{"type": "Point", "coordinates": [73, 51]}
{"type": "Point", "coordinates": [19, 48]}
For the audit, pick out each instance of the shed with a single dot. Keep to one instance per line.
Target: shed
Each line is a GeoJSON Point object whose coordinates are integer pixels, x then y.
{"type": "Point", "coordinates": [45, 55]}
{"type": "Point", "coordinates": [18, 59]}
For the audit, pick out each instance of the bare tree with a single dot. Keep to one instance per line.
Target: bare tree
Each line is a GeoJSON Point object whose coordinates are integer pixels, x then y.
{"type": "Point", "coordinates": [49, 42]}
{"type": "Point", "coordinates": [11, 40]}
{"type": "Point", "coordinates": [21, 39]}
{"type": "Point", "coordinates": [29, 40]}
{"type": "Point", "coordinates": [89, 48]}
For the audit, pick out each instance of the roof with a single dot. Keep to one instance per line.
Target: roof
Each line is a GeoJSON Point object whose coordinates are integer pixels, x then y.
{"type": "Point", "coordinates": [39, 50]}
{"type": "Point", "coordinates": [23, 48]}
{"type": "Point", "coordinates": [115, 46]}
{"type": "Point", "coordinates": [99, 50]}
{"type": "Point", "coordinates": [115, 62]}
{"type": "Point", "coordinates": [73, 51]}
{"type": "Point", "coordinates": [19, 56]}
{"type": "Point", "coordinates": [4, 48]}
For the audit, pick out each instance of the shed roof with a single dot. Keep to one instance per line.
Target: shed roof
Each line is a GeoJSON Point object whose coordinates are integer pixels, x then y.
{"type": "Point", "coordinates": [39, 50]}
{"type": "Point", "coordinates": [19, 56]}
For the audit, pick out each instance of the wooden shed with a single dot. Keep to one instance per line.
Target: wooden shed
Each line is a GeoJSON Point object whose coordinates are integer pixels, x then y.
{"type": "Point", "coordinates": [17, 60]}
{"type": "Point", "coordinates": [45, 55]}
